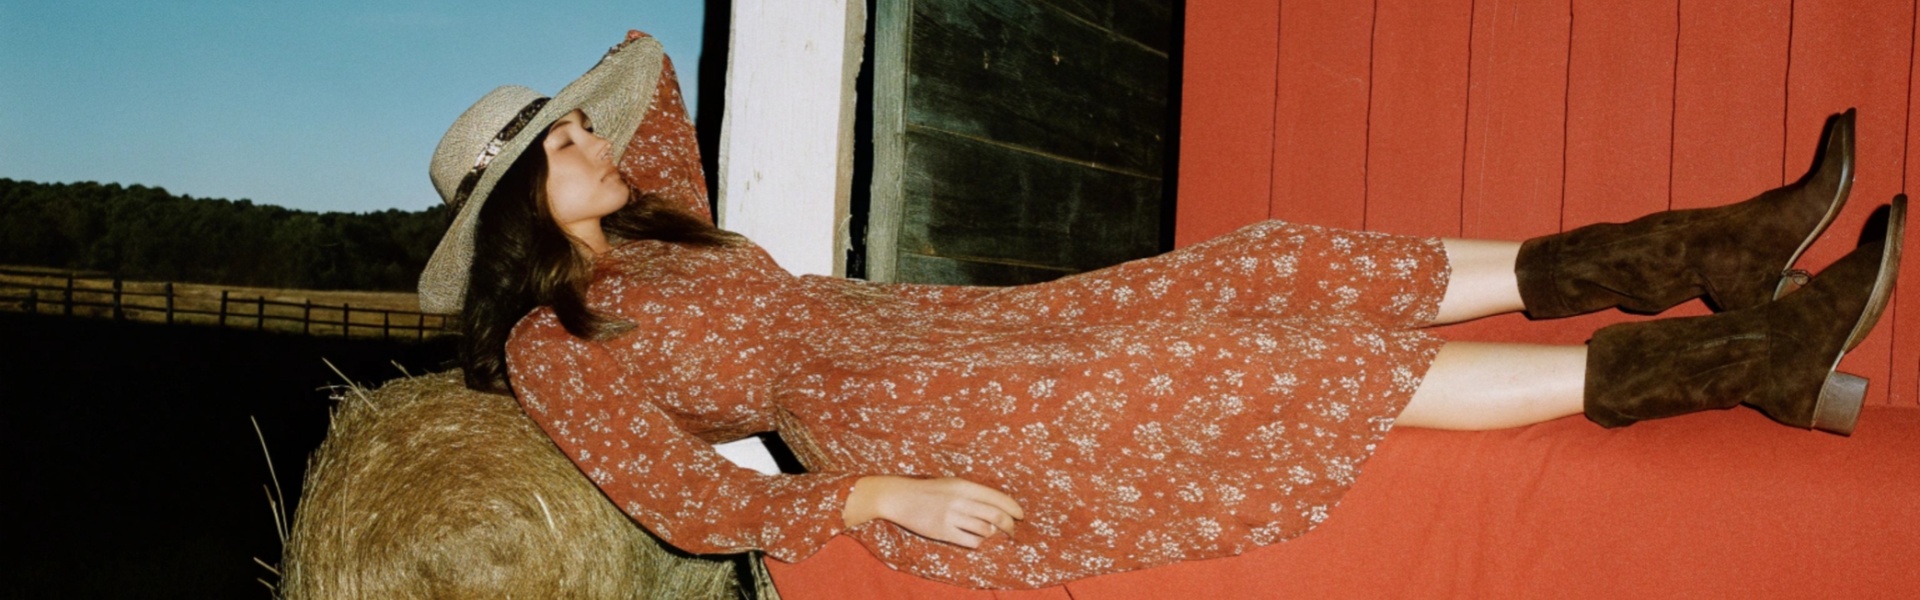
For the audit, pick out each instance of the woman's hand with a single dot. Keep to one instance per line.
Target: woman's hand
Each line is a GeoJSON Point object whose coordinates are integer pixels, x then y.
{"type": "Point", "coordinates": [948, 509]}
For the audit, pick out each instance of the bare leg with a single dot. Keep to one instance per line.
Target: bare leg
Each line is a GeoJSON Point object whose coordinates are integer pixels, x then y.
{"type": "Point", "coordinates": [1477, 386]}
{"type": "Point", "coordinates": [1483, 283]}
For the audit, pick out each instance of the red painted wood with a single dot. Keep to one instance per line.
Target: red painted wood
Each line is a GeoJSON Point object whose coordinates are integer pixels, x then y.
{"type": "Point", "coordinates": [1417, 120]}
{"type": "Point", "coordinates": [1516, 143]}
{"type": "Point", "coordinates": [1226, 121]}
{"type": "Point", "coordinates": [1516, 119]}
{"type": "Point", "coordinates": [1320, 124]}
{"type": "Point", "coordinates": [1852, 53]}
{"type": "Point", "coordinates": [1729, 101]}
{"type": "Point", "coordinates": [1903, 387]}
{"type": "Point", "coordinates": [1751, 83]}
{"type": "Point", "coordinates": [1619, 110]}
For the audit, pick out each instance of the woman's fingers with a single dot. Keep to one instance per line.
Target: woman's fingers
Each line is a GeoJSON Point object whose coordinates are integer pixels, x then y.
{"type": "Point", "coordinates": [948, 509]}
{"type": "Point", "coordinates": [986, 519]}
{"type": "Point", "coordinates": [1005, 523]}
{"type": "Point", "coordinates": [994, 497]}
{"type": "Point", "coordinates": [973, 525]}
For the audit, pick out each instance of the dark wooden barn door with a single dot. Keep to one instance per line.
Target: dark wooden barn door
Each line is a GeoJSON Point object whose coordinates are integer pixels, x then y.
{"type": "Point", "coordinates": [1018, 140]}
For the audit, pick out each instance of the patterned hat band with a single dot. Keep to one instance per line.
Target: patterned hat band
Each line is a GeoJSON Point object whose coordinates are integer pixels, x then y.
{"type": "Point", "coordinates": [519, 122]}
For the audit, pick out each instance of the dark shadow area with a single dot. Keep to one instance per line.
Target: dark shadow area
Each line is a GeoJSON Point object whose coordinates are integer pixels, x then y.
{"type": "Point", "coordinates": [132, 469]}
{"type": "Point", "coordinates": [1170, 176]}
{"type": "Point", "coordinates": [711, 111]}
{"type": "Point", "coordinates": [860, 198]}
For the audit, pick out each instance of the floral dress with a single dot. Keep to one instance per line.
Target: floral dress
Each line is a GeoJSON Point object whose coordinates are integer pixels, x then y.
{"type": "Point", "coordinates": [1187, 406]}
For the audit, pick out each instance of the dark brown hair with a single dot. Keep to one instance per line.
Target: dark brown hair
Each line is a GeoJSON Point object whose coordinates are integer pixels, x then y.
{"type": "Point", "coordinates": [522, 260]}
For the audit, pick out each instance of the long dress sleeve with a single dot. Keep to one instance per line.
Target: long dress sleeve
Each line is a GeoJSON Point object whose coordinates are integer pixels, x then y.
{"type": "Point", "coordinates": [665, 478]}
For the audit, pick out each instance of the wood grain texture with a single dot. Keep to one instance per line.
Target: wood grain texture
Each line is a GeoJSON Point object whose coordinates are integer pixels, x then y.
{"type": "Point", "coordinates": [921, 268]}
{"type": "Point", "coordinates": [885, 209]}
{"type": "Point", "coordinates": [1619, 110]}
{"type": "Point", "coordinates": [1729, 100]}
{"type": "Point", "coordinates": [1145, 22]}
{"type": "Point", "coordinates": [786, 162]}
{"type": "Point", "coordinates": [1417, 117]}
{"type": "Point", "coordinates": [1516, 119]}
{"type": "Point", "coordinates": [1227, 115]}
{"type": "Point", "coordinates": [1320, 121]}
{"type": "Point", "coordinates": [972, 200]}
{"type": "Point", "coordinates": [1903, 386]}
{"type": "Point", "coordinates": [1852, 53]}
{"type": "Point", "coordinates": [1025, 73]}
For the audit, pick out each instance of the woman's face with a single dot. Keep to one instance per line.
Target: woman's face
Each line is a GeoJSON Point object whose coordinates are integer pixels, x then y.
{"type": "Point", "coordinates": [582, 183]}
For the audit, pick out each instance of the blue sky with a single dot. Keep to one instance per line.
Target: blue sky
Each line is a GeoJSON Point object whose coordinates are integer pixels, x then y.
{"type": "Point", "coordinates": [311, 105]}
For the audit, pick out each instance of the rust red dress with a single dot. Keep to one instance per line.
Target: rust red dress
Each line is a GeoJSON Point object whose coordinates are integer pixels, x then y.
{"type": "Point", "coordinates": [1187, 406]}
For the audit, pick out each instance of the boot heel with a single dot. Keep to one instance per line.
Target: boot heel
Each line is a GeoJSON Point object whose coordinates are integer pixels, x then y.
{"type": "Point", "coordinates": [1839, 405]}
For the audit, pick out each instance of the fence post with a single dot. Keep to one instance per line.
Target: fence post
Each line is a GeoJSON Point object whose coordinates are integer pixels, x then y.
{"type": "Point", "coordinates": [67, 305]}
{"type": "Point", "coordinates": [346, 320]}
{"type": "Point", "coordinates": [260, 315]}
{"type": "Point", "coordinates": [306, 318]}
{"type": "Point", "coordinates": [169, 290]}
{"type": "Point", "coordinates": [223, 308]}
{"type": "Point", "coordinates": [386, 326]}
{"type": "Point", "coordinates": [421, 321]}
{"type": "Point", "coordinates": [119, 314]}
{"type": "Point", "coordinates": [33, 302]}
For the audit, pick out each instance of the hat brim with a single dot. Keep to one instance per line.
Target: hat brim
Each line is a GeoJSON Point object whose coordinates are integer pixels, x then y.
{"type": "Point", "coordinates": [616, 93]}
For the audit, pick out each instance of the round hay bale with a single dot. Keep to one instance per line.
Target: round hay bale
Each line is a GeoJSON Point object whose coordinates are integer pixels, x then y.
{"type": "Point", "coordinates": [426, 489]}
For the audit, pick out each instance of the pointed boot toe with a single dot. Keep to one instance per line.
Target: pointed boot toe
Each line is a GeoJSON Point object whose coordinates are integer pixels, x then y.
{"type": "Point", "coordinates": [1737, 256]}
{"type": "Point", "coordinates": [1781, 357]}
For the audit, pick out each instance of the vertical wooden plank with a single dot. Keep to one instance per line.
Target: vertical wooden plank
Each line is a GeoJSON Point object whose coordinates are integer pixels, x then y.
{"type": "Point", "coordinates": [1852, 53]}
{"type": "Point", "coordinates": [786, 146]}
{"type": "Point", "coordinates": [1516, 117]}
{"type": "Point", "coordinates": [1904, 386]}
{"type": "Point", "coordinates": [1320, 123]}
{"type": "Point", "coordinates": [1729, 98]}
{"type": "Point", "coordinates": [1619, 109]}
{"type": "Point", "coordinates": [1226, 121]}
{"type": "Point", "coordinates": [1516, 143]}
{"type": "Point", "coordinates": [886, 207]}
{"type": "Point", "coordinates": [1418, 116]}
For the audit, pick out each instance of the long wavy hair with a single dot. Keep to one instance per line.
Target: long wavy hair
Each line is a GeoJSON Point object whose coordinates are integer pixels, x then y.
{"type": "Point", "coordinates": [523, 260]}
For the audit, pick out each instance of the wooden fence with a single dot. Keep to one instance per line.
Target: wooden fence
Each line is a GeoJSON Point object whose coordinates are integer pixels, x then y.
{"type": "Point", "coordinates": [72, 294]}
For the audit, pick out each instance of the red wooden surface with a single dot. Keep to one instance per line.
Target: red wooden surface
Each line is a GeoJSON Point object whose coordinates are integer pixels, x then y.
{"type": "Point", "coordinates": [1417, 125]}
{"type": "Point", "coordinates": [1320, 114]}
{"type": "Point", "coordinates": [1507, 119]}
{"type": "Point", "coordinates": [1904, 385]}
{"type": "Point", "coordinates": [1229, 104]}
{"type": "Point", "coordinates": [1729, 101]}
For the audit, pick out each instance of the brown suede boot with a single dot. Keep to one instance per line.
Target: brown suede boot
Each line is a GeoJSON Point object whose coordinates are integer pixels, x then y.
{"type": "Point", "coordinates": [1735, 255]}
{"type": "Point", "coordinates": [1779, 357]}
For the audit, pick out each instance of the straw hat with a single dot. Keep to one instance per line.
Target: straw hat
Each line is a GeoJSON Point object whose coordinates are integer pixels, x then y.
{"type": "Point", "coordinates": [489, 137]}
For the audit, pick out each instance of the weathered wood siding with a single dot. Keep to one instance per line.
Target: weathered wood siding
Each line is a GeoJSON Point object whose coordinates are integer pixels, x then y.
{"type": "Point", "coordinates": [1017, 140]}
{"type": "Point", "coordinates": [1518, 118]}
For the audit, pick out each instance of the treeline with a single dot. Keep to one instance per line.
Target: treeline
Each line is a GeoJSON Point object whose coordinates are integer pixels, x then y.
{"type": "Point", "coordinates": [144, 232]}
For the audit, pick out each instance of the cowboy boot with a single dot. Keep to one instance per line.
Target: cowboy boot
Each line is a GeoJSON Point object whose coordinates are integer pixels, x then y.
{"type": "Point", "coordinates": [1779, 357]}
{"type": "Point", "coordinates": [1738, 256]}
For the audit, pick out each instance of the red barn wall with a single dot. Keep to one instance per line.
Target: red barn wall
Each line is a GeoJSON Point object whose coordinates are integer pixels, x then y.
{"type": "Point", "coordinates": [1508, 119]}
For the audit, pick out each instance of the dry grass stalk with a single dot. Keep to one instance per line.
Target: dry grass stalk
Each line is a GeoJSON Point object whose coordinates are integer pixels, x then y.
{"type": "Point", "coordinates": [426, 489]}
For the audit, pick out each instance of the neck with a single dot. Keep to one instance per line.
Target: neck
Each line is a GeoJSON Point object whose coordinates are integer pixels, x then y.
{"type": "Point", "coordinates": [588, 237]}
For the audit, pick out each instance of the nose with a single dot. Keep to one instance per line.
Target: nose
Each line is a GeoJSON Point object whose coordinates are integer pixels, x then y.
{"type": "Point", "coordinates": [606, 147]}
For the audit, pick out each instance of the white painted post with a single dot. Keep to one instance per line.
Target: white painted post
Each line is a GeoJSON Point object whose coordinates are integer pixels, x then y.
{"type": "Point", "coordinates": [786, 145]}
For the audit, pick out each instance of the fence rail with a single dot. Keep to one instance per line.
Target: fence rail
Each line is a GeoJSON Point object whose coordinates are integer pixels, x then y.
{"type": "Point", "coordinates": [75, 294]}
